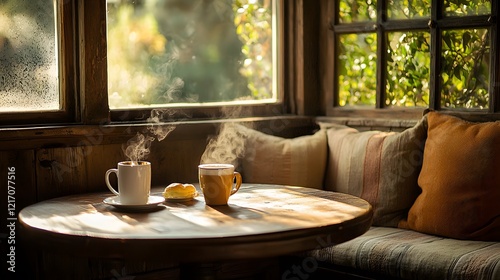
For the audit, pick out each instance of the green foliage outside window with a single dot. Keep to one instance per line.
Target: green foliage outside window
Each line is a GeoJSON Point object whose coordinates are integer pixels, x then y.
{"type": "Point", "coordinates": [358, 64]}
{"type": "Point", "coordinates": [184, 52]}
{"type": "Point", "coordinates": [253, 26]}
{"type": "Point", "coordinates": [467, 7]}
{"type": "Point", "coordinates": [464, 73]}
{"type": "Point", "coordinates": [408, 9]}
{"type": "Point", "coordinates": [408, 69]}
{"type": "Point", "coordinates": [465, 69]}
{"type": "Point", "coordinates": [357, 10]}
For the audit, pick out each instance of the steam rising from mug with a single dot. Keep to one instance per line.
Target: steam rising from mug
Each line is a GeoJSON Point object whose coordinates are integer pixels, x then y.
{"type": "Point", "coordinates": [227, 146]}
{"type": "Point", "coordinates": [138, 148]}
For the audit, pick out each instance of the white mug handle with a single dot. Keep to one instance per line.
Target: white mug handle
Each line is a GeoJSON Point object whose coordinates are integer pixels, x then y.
{"type": "Point", "coordinates": [114, 170]}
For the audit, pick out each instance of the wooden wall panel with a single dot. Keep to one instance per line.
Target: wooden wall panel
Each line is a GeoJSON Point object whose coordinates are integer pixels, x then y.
{"type": "Point", "coordinates": [72, 170]}
{"type": "Point", "coordinates": [99, 159]}
{"type": "Point", "coordinates": [61, 171]}
{"type": "Point", "coordinates": [176, 161]}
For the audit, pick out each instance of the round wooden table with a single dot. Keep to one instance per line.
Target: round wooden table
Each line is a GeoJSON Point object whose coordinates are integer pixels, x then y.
{"type": "Point", "coordinates": [260, 221]}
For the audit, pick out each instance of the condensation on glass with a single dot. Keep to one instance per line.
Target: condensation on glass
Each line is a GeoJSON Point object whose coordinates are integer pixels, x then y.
{"type": "Point", "coordinates": [29, 72]}
{"type": "Point", "coordinates": [185, 53]}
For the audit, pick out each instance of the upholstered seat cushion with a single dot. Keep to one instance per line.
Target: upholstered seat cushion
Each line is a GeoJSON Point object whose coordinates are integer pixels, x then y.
{"type": "Point", "coordinates": [407, 254]}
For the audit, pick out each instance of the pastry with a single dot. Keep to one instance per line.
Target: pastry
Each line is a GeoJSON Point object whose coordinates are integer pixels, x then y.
{"type": "Point", "coordinates": [179, 191]}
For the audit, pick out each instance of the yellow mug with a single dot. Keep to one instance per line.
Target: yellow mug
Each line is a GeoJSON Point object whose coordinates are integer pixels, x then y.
{"type": "Point", "coordinates": [218, 182]}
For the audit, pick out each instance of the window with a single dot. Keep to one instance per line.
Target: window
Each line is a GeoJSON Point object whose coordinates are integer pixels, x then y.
{"type": "Point", "coordinates": [409, 55]}
{"type": "Point", "coordinates": [33, 57]}
{"type": "Point", "coordinates": [28, 59]}
{"type": "Point", "coordinates": [190, 52]}
{"type": "Point", "coordinates": [78, 61]}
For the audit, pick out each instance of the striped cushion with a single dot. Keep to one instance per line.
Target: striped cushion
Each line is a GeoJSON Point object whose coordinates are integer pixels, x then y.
{"type": "Point", "coordinates": [379, 167]}
{"type": "Point", "coordinates": [407, 254]}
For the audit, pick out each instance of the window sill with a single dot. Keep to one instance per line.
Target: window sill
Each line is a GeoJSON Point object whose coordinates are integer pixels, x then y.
{"type": "Point", "coordinates": [90, 135]}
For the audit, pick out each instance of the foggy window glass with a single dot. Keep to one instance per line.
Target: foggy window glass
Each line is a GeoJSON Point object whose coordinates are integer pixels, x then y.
{"type": "Point", "coordinates": [177, 52]}
{"type": "Point", "coordinates": [28, 56]}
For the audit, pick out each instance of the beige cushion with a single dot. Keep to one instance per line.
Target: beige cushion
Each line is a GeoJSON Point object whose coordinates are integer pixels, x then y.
{"type": "Point", "coordinates": [270, 159]}
{"type": "Point", "coordinates": [379, 167]}
{"type": "Point", "coordinates": [460, 180]}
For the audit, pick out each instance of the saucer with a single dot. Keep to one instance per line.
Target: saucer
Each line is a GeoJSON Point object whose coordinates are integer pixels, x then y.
{"type": "Point", "coordinates": [152, 203]}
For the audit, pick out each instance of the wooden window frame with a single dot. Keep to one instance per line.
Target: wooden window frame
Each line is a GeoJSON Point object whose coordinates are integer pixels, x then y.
{"type": "Point", "coordinates": [93, 86]}
{"type": "Point", "coordinates": [331, 28]}
{"type": "Point", "coordinates": [83, 64]}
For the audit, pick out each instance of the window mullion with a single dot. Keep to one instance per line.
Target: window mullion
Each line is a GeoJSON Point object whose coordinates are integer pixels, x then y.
{"type": "Point", "coordinates": [435, 50]}
{"type": "Point", "coordinates": [93, 62]}
{"type": "Point", "coordinates": [494, 90]}
{"type": "Point", "coordinates": [381, 54]}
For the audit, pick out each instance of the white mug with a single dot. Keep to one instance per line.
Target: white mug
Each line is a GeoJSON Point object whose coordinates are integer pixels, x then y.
{"type": "Point", "coordinates": [134, 182]}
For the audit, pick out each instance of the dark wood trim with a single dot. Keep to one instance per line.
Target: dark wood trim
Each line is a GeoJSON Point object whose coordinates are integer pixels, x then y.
{"type": "Point", "coordinates": [435, 51]}
{"type": "Point", "coordinates": [382, 56]}
{"type": "Point", "coordinates": [93, 61]}
{"type": "Point", "coordinates": [413, 24]}
{"type": "Point", "coordinates": [400, 25]}
{"type": "Point", "coordinates": [290, 59]}
{"type": "Point", "coordinates": [68, 66]}
{"type": "Point", "coordinates": [335, 44]}
{"type": "Point", "coordinates": [302, 85]}
{"type": "Point", "coordinates": [495, 60]}
{"type": "Point", "coordinates": [326, 56]}
{"type": "Point", "coordinates": [469, 22]}
{"type": "Point", "coordinates": [306, 55]}
{"type": "Point", "coordinates": [282, 55]}
{"type": "Point", "coordinates": [299, 56]}
{"type": "Point", "coordinates": [102, 134]}
{"type": "Point", "coordinates": [198, 112]}
{"type": "Point", "coordinates": [368, 112]}
{"type": "Point", "coordinates": [355, 27]}
{"type": "Point", "coordinates": [408, 113]}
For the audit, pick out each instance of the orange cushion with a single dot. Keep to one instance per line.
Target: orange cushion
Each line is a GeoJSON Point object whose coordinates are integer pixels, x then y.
{"type": "Point", "coordinates": [460, 180]}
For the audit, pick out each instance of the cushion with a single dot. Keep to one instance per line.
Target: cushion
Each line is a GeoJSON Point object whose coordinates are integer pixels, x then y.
{"type": "Point", "coordinates": [393, 253]}
{"type": "Point", "coordinates": [460, 180]}
{"type": "Point", "coordinates": [380, 167]}
{"type": "Point", "coordinates": [300, 161]}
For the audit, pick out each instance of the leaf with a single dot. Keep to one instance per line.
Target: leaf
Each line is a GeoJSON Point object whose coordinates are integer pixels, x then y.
{"type": "Point", "coordinates": [466, 39]}
{"type": "Point", "coordinates": [448, 42]}
{"type": "Point", "coordinates": [457, 72]}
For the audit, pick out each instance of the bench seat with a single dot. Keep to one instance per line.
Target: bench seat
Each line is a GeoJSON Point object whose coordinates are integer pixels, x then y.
{"type": "Point", "coordinates": [407, 254]}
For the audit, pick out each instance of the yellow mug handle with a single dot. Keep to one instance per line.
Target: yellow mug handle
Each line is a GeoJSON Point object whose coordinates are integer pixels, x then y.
{"type": "Point", "coordinates": [237, 185]}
